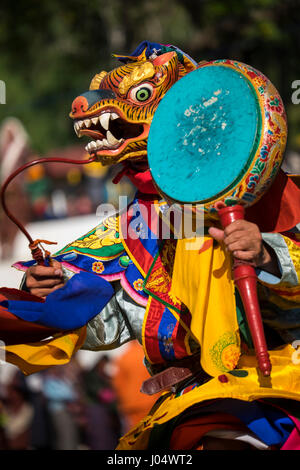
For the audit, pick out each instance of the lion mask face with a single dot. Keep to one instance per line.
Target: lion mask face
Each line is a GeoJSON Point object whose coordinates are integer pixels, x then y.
{"type": "Point", "coordinates": [117, 111]}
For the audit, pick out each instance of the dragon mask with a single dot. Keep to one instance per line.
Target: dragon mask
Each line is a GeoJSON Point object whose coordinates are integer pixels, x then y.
{"type": "Point", "coordinates": [117, 111]}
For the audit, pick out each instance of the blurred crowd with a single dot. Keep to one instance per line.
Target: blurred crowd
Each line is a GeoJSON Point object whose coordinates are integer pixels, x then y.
{"type": "Point", "coordinates": [72, 407]}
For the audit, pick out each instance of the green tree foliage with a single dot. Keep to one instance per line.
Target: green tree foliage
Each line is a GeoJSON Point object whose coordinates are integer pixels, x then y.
{"type": "Point", "coordinates": [51, 50]}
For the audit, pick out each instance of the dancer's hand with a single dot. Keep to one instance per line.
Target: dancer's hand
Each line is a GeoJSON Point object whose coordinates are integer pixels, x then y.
{"type": "Point", "coordinates": [42, 280]}
{"type": "Point", "coordinates": [244, 240]}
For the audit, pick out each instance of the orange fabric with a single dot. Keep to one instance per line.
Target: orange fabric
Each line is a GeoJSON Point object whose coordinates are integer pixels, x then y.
{"type": "Point", "coordinates": [188, 435]}
{"type": "Point", "coordinates": [127, 382]}
{"type": "Point", "coordinates": [279, 209]}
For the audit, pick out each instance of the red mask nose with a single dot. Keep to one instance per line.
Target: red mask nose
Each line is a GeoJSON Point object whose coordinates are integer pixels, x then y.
{"type": "Point", "coordinates": [80, 105]}
{"type": "Point", "coordinates": [87, 100]}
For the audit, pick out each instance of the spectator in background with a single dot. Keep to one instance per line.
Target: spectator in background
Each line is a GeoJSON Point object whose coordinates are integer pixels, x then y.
{"type": "Point", "coordinates": [41, 424]}
{"type": "Point", "coordinates": [18, 413]}
{"type": "Point", "coordinates": [95, 183]}
{"type": "Point", "coordinates": [59, 389]}
{"type": "Point", "coordinates": [103, 422]}
{"type": "Point", "coordinates": [127, 381]}
{"type": "Point", "coordinates": [3, 441]}
{"type": "Point", "coordinates": [38, 188]}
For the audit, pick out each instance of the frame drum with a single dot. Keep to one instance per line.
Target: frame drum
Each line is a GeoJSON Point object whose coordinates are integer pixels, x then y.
{"type": "Point", "coordinates": [218, 135]}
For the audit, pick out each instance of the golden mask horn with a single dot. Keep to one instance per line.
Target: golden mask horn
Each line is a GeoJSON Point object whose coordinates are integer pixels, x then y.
{"type": "Point", "coordinates": [94, 85]}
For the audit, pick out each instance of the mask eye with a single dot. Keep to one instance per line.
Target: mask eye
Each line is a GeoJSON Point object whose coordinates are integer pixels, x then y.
{"type": "Point", "coordinates": [141, 93]}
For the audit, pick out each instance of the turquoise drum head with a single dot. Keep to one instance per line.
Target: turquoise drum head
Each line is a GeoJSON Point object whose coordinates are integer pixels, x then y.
{"type": "Point", "coordinates": [219, 133]}
{"type": "Point", "coordinates": [204, 135]}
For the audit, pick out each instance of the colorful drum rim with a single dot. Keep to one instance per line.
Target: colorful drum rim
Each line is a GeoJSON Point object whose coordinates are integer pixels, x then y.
{"type": "Point", "coordinates": [266, 158]}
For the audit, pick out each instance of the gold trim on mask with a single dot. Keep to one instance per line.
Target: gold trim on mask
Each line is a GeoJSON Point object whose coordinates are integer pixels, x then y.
{"type": "Point", "coordinates": [139, 73]}
{"type": "Point", "coordinates": [97, 79]}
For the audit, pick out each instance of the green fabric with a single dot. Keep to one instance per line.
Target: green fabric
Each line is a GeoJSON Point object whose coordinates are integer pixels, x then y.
{"type": "Point", "coordinates": [242, 321]}
{"type": "Point", "coordinates": [106, 251]}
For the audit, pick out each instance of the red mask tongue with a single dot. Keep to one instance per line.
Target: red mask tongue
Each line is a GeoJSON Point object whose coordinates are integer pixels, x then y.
{"type": "Point", "coordinates": [141, 179]}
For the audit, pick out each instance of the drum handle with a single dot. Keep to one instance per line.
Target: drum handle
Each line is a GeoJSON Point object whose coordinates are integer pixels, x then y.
{"type": "Point", "coordinates": [245, 279]}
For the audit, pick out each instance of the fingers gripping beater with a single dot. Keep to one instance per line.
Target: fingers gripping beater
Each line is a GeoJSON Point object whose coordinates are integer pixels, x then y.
{"type": "Point", "coordinates": [245, 279]}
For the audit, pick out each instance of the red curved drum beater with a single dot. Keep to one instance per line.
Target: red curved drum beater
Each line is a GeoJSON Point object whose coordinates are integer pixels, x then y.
{"type": "Point", "coordinates": [36, 251]}
{"type": "Point", "coordinates": [245, 279]}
